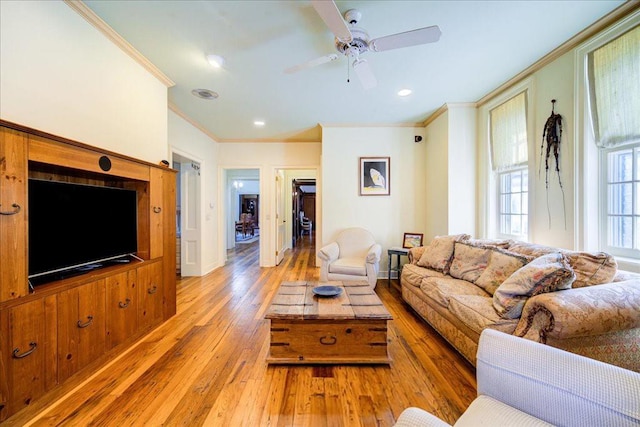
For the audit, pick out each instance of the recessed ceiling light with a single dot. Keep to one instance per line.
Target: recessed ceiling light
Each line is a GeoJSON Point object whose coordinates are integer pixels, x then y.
{"type": "Point", "coordinates": [204, 93]}
{"type": "Point", "coordinates": [216, 61]}
{"type": "Point", "coordinates": [259, 122]}
{"type": "Point", "coordinates": [404, 92]}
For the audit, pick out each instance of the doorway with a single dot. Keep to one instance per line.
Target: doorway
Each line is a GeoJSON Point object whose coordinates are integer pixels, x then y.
{"type": "Point", "coordinates": [303, 202]}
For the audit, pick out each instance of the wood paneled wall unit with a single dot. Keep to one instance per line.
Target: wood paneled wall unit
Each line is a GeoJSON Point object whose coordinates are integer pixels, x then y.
{"type": "Point", "coordinates": [60, 328]}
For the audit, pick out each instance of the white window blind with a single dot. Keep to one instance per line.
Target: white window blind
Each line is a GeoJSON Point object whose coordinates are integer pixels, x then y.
{"type": "Point", "coordinates": [614, 90]}
{"type": "Point", "coordinates": [509, 134]}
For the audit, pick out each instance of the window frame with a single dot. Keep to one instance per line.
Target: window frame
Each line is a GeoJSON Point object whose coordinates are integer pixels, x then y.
{"type": "Point", "coordinates": [590, 205]}
{"type": "Point", "coordinates": [489, 200]}
{"type": "Point", "coordinates": [499, 193]}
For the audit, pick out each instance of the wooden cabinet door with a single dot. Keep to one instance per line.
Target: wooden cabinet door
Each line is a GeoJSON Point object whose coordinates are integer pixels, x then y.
{"type": "Point", "coordinates": [28, 353]}
{"type": "Point", "coordinates": [81, 327]}
{"type": "Point", "coordinates": [122, 307]}
{"type": "Point", "coordinates": [156, 215]}
{"type": "Point", "coordinates": [170, 240]}
{"type": "Point", "coordinates": [13, 211]}
{"type": "Point", "coordinates": [150, 294]}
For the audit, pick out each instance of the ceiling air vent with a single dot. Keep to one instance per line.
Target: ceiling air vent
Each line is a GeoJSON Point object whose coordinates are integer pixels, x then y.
{"type": "Point", "coordinates": [204, 93]}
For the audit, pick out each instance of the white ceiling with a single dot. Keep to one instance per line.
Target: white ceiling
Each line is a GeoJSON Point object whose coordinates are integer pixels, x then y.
{"type": "Point", "coordinates": [483, 44]}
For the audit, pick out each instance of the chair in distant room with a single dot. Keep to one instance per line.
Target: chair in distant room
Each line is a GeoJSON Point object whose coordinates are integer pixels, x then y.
{"type": "Point", "coordinates": [354, 255]}
{"type": "Point", "coordinates": [305, 224]}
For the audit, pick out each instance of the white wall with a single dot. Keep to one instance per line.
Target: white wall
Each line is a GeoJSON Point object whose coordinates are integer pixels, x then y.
{"type": "Point", "coordinates": [268, 158]}
{"type": "Point", "coordinates": [387, 217]}
{"type": "Point", "coordinates": [60, 75]}
{"type": "Point", "coordinates": [437, 177]}
{"type": "Point", "coordinates": [462, 169]}
{"type": "Point", "coordinates": [190, 142]}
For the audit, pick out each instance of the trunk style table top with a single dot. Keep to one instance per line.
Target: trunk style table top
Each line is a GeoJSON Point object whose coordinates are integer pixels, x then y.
{"type": "Point", "coordinates": [296, 301]}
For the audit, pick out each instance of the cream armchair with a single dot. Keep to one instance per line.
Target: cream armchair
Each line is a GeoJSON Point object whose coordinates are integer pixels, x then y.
{"type": "Point", "coordinates": [353, 256]}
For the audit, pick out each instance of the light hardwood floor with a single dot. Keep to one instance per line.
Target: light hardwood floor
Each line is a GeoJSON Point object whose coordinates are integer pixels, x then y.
{"type": "Point", "coordinates": [206, 365]}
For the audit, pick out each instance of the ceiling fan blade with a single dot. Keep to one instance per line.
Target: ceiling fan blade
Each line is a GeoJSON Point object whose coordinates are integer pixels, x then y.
{"type": "Point", "coordinates": [332, 17]}
{"type": "Point", "coordinates": [365, 74]}
{"type": "Point", "coordinates": [410, 38]}
{"type": "Point", "coordinates": [312, 63]}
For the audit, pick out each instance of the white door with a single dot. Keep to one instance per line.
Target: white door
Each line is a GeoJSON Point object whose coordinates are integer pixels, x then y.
{"type": "Point", "coordinates": [281, 219]}
{"type": "Point", "coordinates": [190, 264]}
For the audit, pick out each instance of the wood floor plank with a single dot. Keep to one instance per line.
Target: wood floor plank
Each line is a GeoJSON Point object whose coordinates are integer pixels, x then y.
{"type": "Point", "coordinates": [206, 366]}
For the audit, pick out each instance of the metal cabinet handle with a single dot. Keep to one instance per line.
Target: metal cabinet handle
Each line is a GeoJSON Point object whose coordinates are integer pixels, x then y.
{"type": "Point", "coordinates": [87, 323]}
{"type": "Point", "coordinates": [328, 340]}
{"type": "Point", "coordinates": [124, 304]}
{"type": "Point", "coordinates": [16, 351]}
{"type": "Point", "coordinates": [157, 209]}
{"type": "Point", "coordinates": [16, 208]}
{"type": "Point", "coordinates": [152, 290]}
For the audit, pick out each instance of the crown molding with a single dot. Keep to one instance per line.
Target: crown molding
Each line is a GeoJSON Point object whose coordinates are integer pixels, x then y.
{"type": "Point", "coordinates": [83, 10]}
{"type": "Point", "coordinates": [371, 125]}
{"type": "Point", "coordinates": [440, 111]}
{"type": "Point", "coordinates": [609, 19]}
{"type": "Point", "coordinates": [173, 107]}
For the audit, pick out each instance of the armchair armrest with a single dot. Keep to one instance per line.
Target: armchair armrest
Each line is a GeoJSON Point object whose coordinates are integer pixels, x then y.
{"type": "Point", "coordinates": [330, 252]}
{"type": "Point", "coordinates": [581, 312]}
{"type": "Point", "coordinates": [373, 256]}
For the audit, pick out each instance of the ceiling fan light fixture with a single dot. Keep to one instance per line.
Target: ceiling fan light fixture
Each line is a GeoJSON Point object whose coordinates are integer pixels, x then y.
{"type": "Point", "coordinates": [216, 61]}
{"type": "Point", "coordinates": [204, 94]}
{"type": "Point", "coordinates": [404, 92]}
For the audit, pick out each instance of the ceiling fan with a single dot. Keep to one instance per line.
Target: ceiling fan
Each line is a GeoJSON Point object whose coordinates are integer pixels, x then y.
{"type": "Point", "coordinates": [352, 41]}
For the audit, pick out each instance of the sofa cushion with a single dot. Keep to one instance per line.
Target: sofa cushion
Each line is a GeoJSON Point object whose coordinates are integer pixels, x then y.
{"type": "Point", "coordinates": [477, 313]}
{"type": "Point", "coordinates": [531, 249]}
{"type": "Point", "coordinates": [494, 243]}
{"type": "Point", "coordinates": [502, 264]}
{"type": "Point", "coordinates": [353, 266]}
{"type": "Point", "coordinates": [547, 273]}
{"type": "Point", "coordinates": [592, 268]}
{"type": "Point", "coordinates": [487, 411]}
{"type": "Point", "coordinates": [437, 255]}
{"type": "Point", "coordinates": [440, 289]}
{"type": "Point", "coordinates": [413, 275]}
{"type": "Point", "coordinates": [469, 261]}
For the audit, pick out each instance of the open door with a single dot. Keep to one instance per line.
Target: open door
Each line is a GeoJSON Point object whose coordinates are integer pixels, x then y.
{"type": "Point", "coordinates": [280, 218]}
{"type": "Point", "coordinates": [190, 259]}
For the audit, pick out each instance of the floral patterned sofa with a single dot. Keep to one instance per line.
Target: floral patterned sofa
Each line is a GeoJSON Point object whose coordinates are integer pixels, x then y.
{"type": "Point", "coordinates": [576, 301]}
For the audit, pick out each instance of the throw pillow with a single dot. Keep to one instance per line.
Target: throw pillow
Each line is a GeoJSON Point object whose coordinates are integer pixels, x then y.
{"type": "Point", "coordinates": [438, 254]}
{"type": "Point", "coordinates": [502, 264]}
{"type": "Point", "coordinates": [547, 273]}
{"type": "Point", "coordinates": [592, 268]}
{"type": "Point", "coordinates": [469, 261]}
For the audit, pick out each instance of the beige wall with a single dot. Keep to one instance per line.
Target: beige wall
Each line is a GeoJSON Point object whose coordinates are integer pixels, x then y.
{"type": "Point", "coordinates": [60, 75]}
{"type": "Point", "coordinates": [387, 217]}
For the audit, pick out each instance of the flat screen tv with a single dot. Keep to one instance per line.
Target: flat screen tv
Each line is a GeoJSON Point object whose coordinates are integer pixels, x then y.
{"type": "Point", "coordinates": [74, 227]}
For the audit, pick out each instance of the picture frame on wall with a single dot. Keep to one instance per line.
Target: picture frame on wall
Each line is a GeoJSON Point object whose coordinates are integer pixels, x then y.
{"type": "Point", "coordinates": [412, 240]}
{"type": "Point", "coordinates": [375, 174]}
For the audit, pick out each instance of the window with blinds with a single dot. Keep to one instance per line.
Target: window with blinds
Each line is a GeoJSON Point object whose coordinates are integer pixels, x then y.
{"type": "Point", "coordinates": [614, 100]}
{"type": "Point", "coordinates": [509, 155]}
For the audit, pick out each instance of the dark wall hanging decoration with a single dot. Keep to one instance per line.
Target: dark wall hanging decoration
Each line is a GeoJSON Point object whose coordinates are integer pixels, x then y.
{"type": "Point", "coordinates": [552, 136]}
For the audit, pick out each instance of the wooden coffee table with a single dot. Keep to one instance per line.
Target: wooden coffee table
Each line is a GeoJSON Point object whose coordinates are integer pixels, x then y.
{"type": "Point", "coordinates": [349, 328]}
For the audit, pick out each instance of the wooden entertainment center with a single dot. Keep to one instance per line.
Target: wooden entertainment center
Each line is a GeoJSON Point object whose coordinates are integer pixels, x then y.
{"type": "Point", "coordinates": [57, 329]}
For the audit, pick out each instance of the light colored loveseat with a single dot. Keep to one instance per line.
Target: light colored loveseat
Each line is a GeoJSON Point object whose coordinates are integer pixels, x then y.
{"type": "Point", "coordinates": [576, 301]}
{"type": "Point", "coordinates": [523, 383]}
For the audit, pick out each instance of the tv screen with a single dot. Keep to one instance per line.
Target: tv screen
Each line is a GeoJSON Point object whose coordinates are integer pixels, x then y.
{"type": "Point", "coordinates": [73, 226]}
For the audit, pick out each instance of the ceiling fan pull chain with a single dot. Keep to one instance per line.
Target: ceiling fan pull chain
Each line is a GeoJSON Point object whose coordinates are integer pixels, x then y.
{"type": "Point", "coordinates": [348, 70]}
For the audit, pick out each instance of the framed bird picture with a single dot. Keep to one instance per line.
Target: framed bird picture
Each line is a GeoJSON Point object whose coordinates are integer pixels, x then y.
{"type": "Point", "coordinates": [375, 173]}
